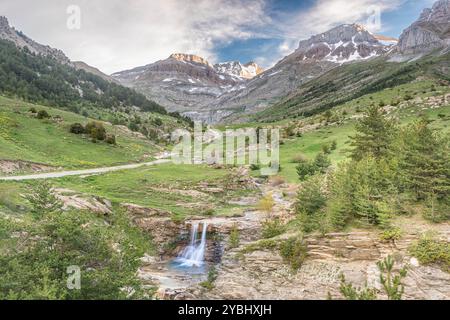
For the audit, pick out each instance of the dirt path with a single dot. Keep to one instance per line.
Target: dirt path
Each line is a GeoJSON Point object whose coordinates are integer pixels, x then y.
{"type": "Point", "coordinates": [60, 174]}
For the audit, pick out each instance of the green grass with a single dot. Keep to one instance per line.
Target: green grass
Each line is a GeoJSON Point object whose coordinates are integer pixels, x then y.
{"type": "Point", "coordinates": [23, 137]}
{"type": "Point", "coordinates": [310, 143]}
{"type": "Point", "coordinates": [163, 187]}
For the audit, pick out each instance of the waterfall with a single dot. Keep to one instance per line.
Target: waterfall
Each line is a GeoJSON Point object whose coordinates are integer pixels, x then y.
{"type": "Point", "coordinates": [193, 255]}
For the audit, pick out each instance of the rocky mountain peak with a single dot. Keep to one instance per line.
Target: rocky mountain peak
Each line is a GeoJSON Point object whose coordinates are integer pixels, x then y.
{"type": "Point", "coordinates": [189, 58]}
{"type": "Point", "coordinates": [344, 43]}
{"type": "Point", "coordinates": [438, 13]}
{"type": "Point", "coordinates": [238, 70]}
{"type": "Point", "coordinates": [431, 31]}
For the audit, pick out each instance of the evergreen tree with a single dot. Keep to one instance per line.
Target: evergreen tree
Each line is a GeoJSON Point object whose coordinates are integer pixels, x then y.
{"type": "Point", "coordinates": [43, 200]}
{"type": "Point", "coordinates": [375, 135]}
{"type": "Point", "coordinates": [426, 162]}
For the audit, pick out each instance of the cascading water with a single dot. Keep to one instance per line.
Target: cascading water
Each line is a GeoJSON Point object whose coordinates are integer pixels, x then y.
{"type": "Point", "coordinates": [194, 254]}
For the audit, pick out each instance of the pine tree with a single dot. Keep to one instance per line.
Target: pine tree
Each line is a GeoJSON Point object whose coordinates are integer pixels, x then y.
{"type": "Point", "coordinates": [426, 162]}
{"type": "Point", "coordinates": [43, 200]}
{"type": "Point", "coordinates": [375, 135]}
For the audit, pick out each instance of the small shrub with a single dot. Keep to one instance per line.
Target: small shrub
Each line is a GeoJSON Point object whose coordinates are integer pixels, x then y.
{"type": "Point", "coordinates": [431, 251]}
{"type": "Point", "coordinates": [349, 292]}
{"type": "Point", "coordinates": [255, 167]}
{"type": "Point", "coordinates": [294, 252]}
{"type": "Point", "coordinates": [391, 234]}
{"type": "Point", "coordinates": [33, 110]}
{"type": "Point", "coordinates": [158, 122]}
{"type": "Point", "coordinates": [212, 277]}
{"type": "Point", "coordinates": [234, 239]}
{"type": "Point", "coordinates": [305, 170]}
{"type": "Point", "coordinates": [42, 114]}
{"type": "Point", "coordinates": [267, 203]}
{"type": "Point", "coordinates": [96, 130]}
{"type": "Point", "coordinates": [326, 149]}
{"type": "Point", "coordinates": [272, 228]}
{"type": "Point", "coordinates": [299, 158]}
{"type": "Point", "coordinates": [392, 283]}
{"type": "Point", "coordinates": [209, 212]}
{"type": "Point", "coordinates": [408, 97]}
{"type": "Point", "coordinates": [110, 139]}
{"type": "Point", "coordinates": [333, 145]}
{"type": "Point", "coordinates": [76, 128]}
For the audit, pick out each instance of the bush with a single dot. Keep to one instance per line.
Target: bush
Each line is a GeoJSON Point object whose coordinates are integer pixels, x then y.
{"type": "Point", "coordinates": [96, 130]}
{"type": "Point", "coordinates": [107, 252]}
{"type": "Point", "coordinates": [299, 158]}
{"type": "Point", "coordinates": [431, 251]}
{"type": "Point", "coordinates": [305, 169]}
{"type": "Point", "coordinates": [333, 145]}
{"type": "Point", "coordinates": [391, 234]}
{"type": "Point", "coordinates": [110, 139]}
{"type": "Point", "coordinates": [77, 128]}
{"type": "Point", "coordinates": [294, 252]}
{"type": "Point", "coordinates": [33, 110]}
{"type": "Point", "coordinates": [234, 240]}
{"type": "Point", "coordinates": [326, 149]}
{"type": "Point", "coordinates": [272, 228]}
{"type": "Point", "coordinates": [42, 114]}
{"type": "Point", "coordinates": [267, 203]}
{"type": "Point", "coordinates": [158, 122]}
{"type": "Point", "coordinates": [212, 276]}
{"type": "Point", "coordinates": [349, 292]}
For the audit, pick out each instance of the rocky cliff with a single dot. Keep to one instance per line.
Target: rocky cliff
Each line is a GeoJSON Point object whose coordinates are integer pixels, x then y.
{"type": "Point", "coordinates": [345, 43]}
{"type": "Point", "coordinates": [430, 32]}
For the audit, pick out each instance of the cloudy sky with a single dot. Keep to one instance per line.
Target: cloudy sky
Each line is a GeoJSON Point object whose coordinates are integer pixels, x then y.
{"type": "Point", "coordinates": [115, 35]}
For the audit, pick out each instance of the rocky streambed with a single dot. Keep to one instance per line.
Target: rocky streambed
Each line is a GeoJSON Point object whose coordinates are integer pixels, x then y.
{"type": "Point", "coordinates": [261, 273]}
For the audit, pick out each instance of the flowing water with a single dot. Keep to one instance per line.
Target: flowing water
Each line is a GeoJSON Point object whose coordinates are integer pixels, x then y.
{"type": "Point", "coordinates": [193, 255]}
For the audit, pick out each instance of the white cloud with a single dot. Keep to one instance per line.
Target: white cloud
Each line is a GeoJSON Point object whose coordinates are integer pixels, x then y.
{"type": "Point", "coordinates": [121, 34]}
{"type": "Point", "coordinates": [322, 16]}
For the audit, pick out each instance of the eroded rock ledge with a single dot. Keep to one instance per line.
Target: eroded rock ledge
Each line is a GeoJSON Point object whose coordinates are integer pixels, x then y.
{"type": "Point", "coordinates": [262, 274]}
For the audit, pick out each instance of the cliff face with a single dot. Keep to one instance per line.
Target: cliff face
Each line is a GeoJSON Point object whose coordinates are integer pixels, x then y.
{"type": "Point", "coordinates": [431, 31]}
{"type": "Point", "coordinates": [348, 42]}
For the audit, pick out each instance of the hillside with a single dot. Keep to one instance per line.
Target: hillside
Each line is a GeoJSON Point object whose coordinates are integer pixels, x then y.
{"type": "Point", "coordinates": [42, 79]}
{"type": "Point", "coordinates": [48, 144]}
{"type": "Point", "coordinates": [352, 81]}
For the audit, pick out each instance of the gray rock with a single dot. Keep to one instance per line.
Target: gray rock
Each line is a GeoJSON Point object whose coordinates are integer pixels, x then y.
{"type": "Point", "coordinates": [430, 32]}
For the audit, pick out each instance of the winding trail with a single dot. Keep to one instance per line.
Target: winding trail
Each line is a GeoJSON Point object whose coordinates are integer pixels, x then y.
{"type": "Point", "coordinates": [60, 174]}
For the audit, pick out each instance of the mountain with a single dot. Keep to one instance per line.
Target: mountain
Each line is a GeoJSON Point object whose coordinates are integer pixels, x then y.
{"type": "Point", "coordinates": [80, 65]}
{"type": "Point", "coordinates": [191, 85]}
{"type": "Point", "coordinates": [41, 74]}
{"type": "Point", "coordinates": [313, 57]}
{"type": "Point", "coordinates": [20, 40]}
{"type": "Point", "coordinates": [186, 82]}
{"type": "Point", "coordinates": [430, 32]}
{"type": "Point", "coordinates": [235, 68]}
{"type": "Point", "coordinates": [352, 81]}
{"type": "Point", "coordinates": [345, 43]}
